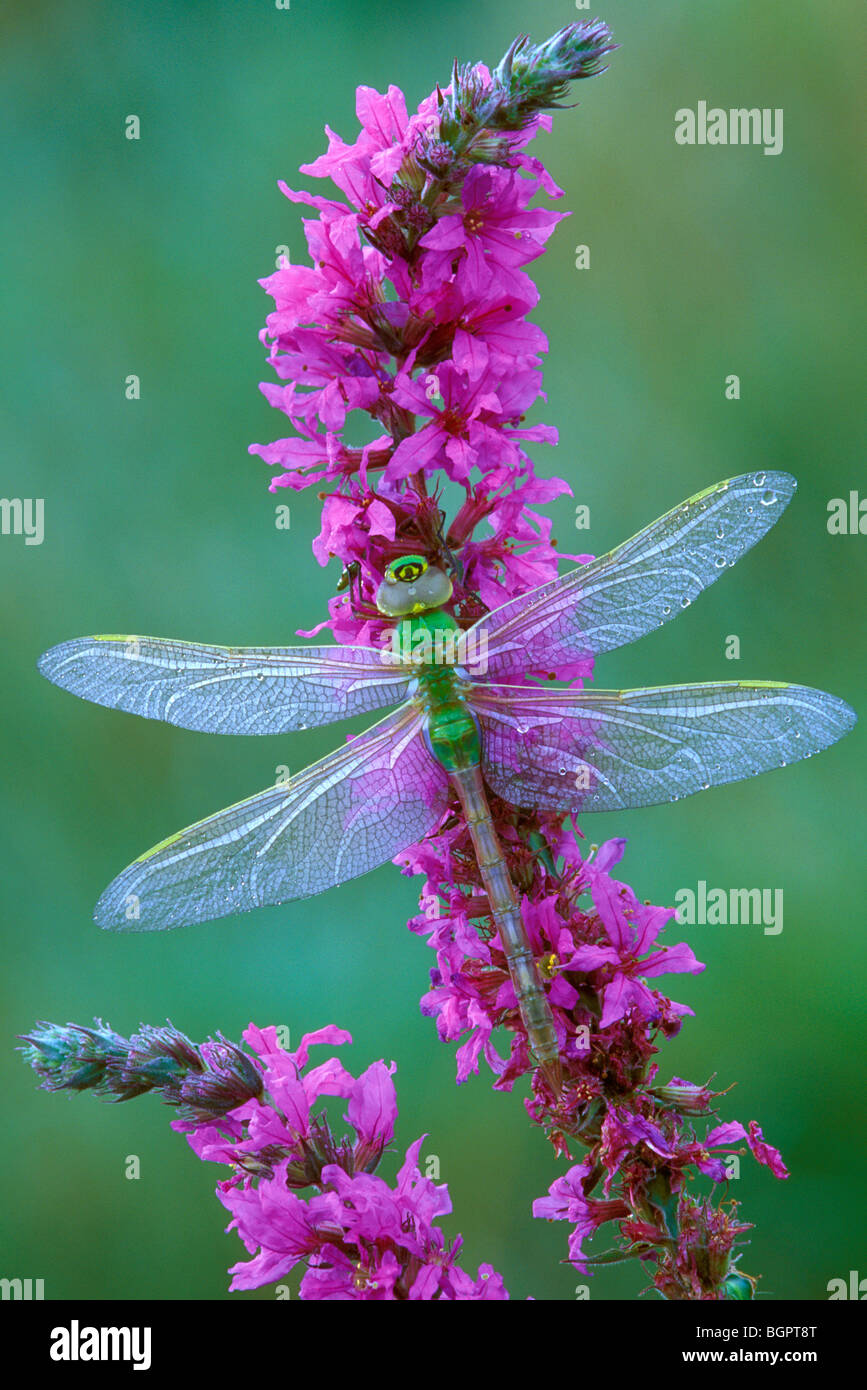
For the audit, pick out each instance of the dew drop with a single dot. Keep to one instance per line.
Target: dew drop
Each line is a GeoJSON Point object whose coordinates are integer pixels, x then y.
{"type": "Point", "coordinates": [768, 498]}
{"type": "Point", "coordinates": [797, 733]}
{"type": "Point", "coordinates": [759, 480]}
{"type": "Point", "coordinates": [720, 532]}
{"type": "Point", "coordinates": [666, 608]}
{"type": "Point", "coordinates": [685, 602]}
{"type": "Point", "coordinates": [562, 771]}
{"type": "Point", "coordinates": [705, 786]}
{"type": "Point", "coordinates": [720, 562]}
{"type": "Point", "coordinates": [750, 511]}
{"type": "Point", "coordinates": [674, 797]}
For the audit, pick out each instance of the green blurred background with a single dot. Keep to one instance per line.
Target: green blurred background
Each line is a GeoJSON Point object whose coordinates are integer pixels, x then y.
{"type": "Point", "coordinates": [142, 257]}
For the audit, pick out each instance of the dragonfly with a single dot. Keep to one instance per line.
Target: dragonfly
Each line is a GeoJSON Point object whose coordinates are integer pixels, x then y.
{"type": "Point", "coordinates": [469, 719]}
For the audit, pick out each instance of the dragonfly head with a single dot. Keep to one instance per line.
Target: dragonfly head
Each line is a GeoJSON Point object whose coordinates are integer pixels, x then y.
{"type": "Point", "coordinates": [411, 585]}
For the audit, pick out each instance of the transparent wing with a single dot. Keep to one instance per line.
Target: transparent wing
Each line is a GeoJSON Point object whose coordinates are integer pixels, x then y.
{"type": "Point", "coordinates": [638, 586]}
{"type": "Point", "coordinates": [606, 750]}
{"type": "Point", "coordinates": [339, 818]}
{"type": "Point", "coordinates": [225, 690]}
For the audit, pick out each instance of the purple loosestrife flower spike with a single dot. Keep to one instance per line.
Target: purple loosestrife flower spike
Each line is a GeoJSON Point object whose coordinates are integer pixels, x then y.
{"type": "Point", "coordinates": [415, 310]}
{"type": "Point", "coordinates": [75, 1058]}
{"type": "Point", "coordinates": [297, 1192]}
{"type": "Point", "coordinates": [533, 77]}
{"type": "Point", "coordinates": [202, 1082]}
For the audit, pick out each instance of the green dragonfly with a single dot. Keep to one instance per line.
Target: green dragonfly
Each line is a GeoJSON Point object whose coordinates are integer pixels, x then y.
{"type": "Point", "coordinates": [553, 749]}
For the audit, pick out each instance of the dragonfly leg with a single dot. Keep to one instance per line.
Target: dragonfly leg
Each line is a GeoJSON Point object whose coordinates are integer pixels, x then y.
{"type": "Point", "coordinates": [537, 844]}
{"type": "Point", "coordinates": [351, 579]}
{"type": "Point", "coordinates": [453, 563]}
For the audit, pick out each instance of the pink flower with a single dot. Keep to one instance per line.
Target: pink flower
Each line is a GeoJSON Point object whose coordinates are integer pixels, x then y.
{"type": "Point", "coordinates": [495, 228]}
{"type": "Point", "coordinates": [475, 425]}
{"type": "Point", "coordinates": [632, 928]}
{"type": "Point", "coordinates": [566, 1202]}
{"type": "Point", "coordinates": [361, 170]}
{"type": "Point", "coordinates": [763, 1152]}
{"type": "Point", "coordinates": [302, 1194]}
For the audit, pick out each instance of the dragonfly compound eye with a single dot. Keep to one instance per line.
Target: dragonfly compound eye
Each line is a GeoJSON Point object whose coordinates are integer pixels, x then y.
{"type": "Point", "coordinates": [406, 570]}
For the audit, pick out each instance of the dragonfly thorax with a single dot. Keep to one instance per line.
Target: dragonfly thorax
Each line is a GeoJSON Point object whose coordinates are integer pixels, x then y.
{"type": "Point", "coordinates": [451, 730]}
{"type": "Point", "coordinates": [427, 639]}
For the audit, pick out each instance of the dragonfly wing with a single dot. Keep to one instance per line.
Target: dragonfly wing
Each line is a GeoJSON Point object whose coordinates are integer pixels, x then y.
{"type": "Point", "coordinates": [640, 585]}
{"type": "Point", "coordinates": [226, 690]}
{"type": "Point", "coordinates": [607, 750]}
{"type": "Point", "coordinates": [339, 818]}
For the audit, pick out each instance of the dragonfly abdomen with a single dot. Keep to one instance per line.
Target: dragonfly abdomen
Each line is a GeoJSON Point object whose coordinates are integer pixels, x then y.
{"type": "Point", "coordinates": [453, 737]}
{"type": "Point", "coordinates": [506, 911]}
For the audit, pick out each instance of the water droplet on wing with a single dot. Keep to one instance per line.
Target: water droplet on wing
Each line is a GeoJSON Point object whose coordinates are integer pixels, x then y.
{"type": "Point", "coordinates": [768, 498]}
{"type": "Point", "coordinates": [758, 480]}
